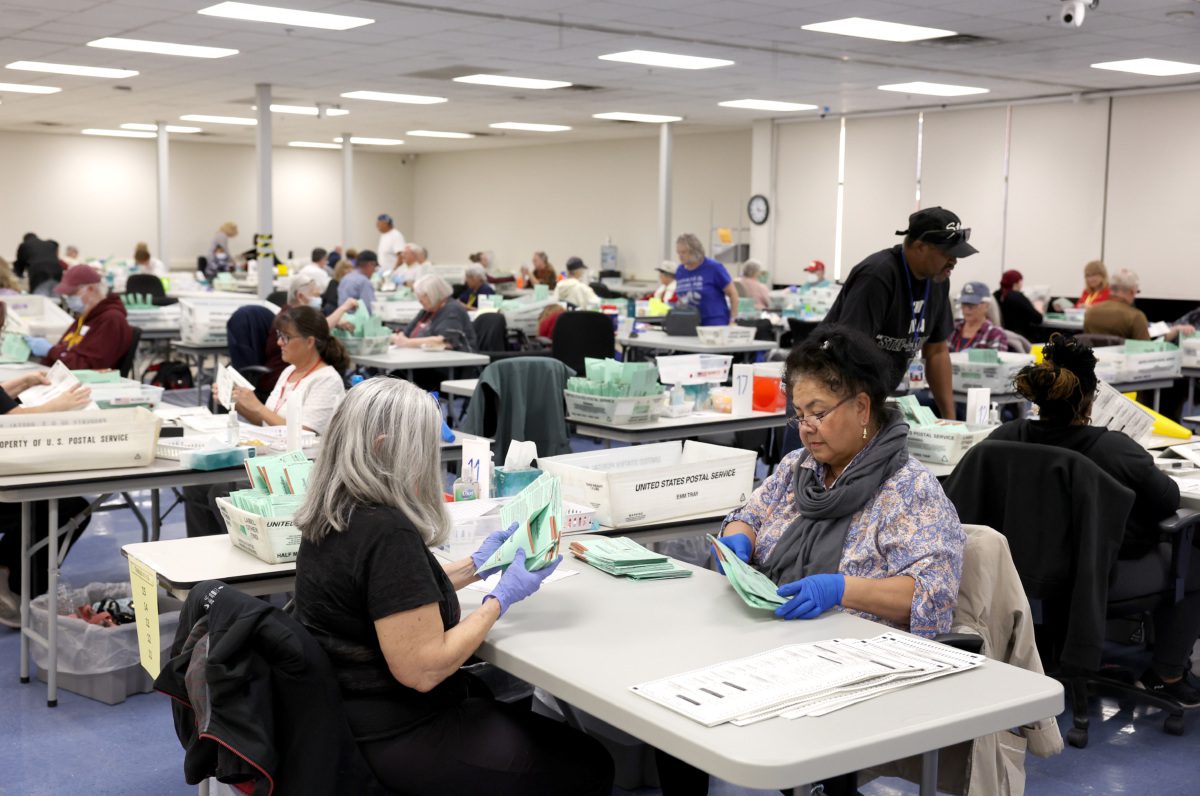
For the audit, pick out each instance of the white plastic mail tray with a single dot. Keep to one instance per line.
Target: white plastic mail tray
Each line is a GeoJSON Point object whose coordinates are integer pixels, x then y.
{"type": "Point", "coordinates": [85, 440]}
{"type": "Point", "coordinates": [655, 483]}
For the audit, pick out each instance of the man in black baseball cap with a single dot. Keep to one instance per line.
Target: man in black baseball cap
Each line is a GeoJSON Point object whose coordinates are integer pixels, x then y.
{"type": "Point", "coordinates": [901, 297]}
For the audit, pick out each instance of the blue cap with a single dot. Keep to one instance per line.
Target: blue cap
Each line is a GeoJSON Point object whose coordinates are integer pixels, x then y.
{"type": "Point", "coordinates": [385, 217]}
{"type": "Point", "coordinates": [974, 293]}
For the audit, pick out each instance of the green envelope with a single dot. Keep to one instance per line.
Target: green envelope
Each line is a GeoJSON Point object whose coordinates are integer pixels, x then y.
{"type": "Point", "coordinates": [755, 588]}
{"type": "Point", "coordinates": [538, 511]}
{"type": "Point", "coordinates": [623, 557]}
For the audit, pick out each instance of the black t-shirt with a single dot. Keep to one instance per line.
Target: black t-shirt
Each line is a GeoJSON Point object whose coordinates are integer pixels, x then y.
{"type": "Point", "coordinates": [876, 301]}
{"type": "Point", "coordinates": [1156, 496]}
{"type": "Point", "coordinates": [7, 403]}
{"type": "Point", "coordinates": [377, 567]}
{"type": "Point", "coordinates": [1017, 313]}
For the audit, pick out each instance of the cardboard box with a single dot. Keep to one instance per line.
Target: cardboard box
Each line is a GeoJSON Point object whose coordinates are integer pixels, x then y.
{"type": "Point", "coordinates": [642, 484]}
{"type": "Point", "coordinates": [274, 540]}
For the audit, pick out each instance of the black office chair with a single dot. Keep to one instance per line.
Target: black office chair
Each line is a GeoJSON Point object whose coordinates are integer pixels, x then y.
{"type": "Point", "coordinates": [797, 331]}
{"type": "Point", "coordinates": [247, 330]}
{"type": "Point", "coordinates": [494, 338]}
{"type": "Point", "coordinates": [278, 298]}
{"type": "Point", "coordinates": [145, 285]}
{"type": "Point", "coordinates": [125, 366]}
{"type": "Point", "coordinates": [763, 330]}
{"type": "Point", "coordinates": [1064, 544]}
{"type": "Point", "coordinates": [1099, 340]}
{"type": "Point", "coordinates": [583, 334]}
{"type": "Point", "coordinates": [604, 291]}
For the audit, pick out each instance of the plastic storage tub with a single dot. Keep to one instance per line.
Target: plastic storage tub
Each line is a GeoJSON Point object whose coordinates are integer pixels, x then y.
{"type": "Point", "coordinates": [606, 409]}
{"type": "Point", "coordinates": [101, 663]}
{"type": "Point", "coordinates": [665, 481]}
{"type": "Point", "coordinates": [43, 316]}
{"type": "Point", "coordinates": [938, 445]}
{"type": "Point", "coordinates": [1117, 364]}
{"type": "Point", "coordinates": [364, 346]}
{"type": "Point", "coordinates": [202, 321]}
{"type": "Point", "coordinates": [693, 368]}
{"type": "Point", "coordinates": [996, 377]}
{"type": "Point", "coordinates": [725, 335]}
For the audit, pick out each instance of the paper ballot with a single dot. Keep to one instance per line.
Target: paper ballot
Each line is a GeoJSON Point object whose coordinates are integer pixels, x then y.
{"type": "Point", "coordinates": [538, 511]}
{"type": "Point", "coordinates": [755, 588]}
{"type": "Point", "coordinates": [624, 557]}
{"type": "Point", "coordinates": [227, 379]}
{"type": "Point", "coordinates": [1114, 411]}
{"type": "Point", "coordinates": [61, 380]}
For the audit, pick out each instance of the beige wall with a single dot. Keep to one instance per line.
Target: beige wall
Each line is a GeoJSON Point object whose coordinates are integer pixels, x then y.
{"type": "Point", "coordinates": [569, 198]}
{"type": "Point", "coordinates": [100, 194]}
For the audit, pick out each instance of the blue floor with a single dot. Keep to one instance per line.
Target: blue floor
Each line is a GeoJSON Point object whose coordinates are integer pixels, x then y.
{"type": "Point", "coordinates": [85, 747]}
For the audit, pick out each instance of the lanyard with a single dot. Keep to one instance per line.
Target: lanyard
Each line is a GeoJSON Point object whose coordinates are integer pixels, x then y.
{"type": "Point", "coordinates": [283, 393]}
{"type": "Point", "coordinates": [917, 322]}
{"type": "Point", "coordinates": [959, 346]}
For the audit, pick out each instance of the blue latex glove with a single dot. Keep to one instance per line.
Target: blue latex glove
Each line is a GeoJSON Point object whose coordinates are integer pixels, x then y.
{"type": "Point", "coordinates": [811, 596]}
{"type": "Point", "coordinates": [739, 543]}
{"type": "Point", "coordinates": [517, 583]}
{"type": "Point", "coordinates": [490, 545]}
{"type": "Point", "coordinates": [40, 346]}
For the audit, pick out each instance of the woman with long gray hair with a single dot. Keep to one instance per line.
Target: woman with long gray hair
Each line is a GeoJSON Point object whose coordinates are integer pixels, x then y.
{"type": "Point", "coordinates": [386, 611]}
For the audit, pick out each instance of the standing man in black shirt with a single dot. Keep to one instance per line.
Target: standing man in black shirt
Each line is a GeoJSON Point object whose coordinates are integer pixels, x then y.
{"type": "Point", "coordinates": [901, 297]}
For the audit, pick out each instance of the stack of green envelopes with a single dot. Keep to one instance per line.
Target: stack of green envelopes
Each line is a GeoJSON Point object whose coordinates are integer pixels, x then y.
{"type": "Point", "coordinates": [277, 485]}
{"type": "Point", "coordinates": [755, 588]}
{"type": "Point", "coordinates": [538, 511]}
{"type": "Point", "coordinates": [626, 558]}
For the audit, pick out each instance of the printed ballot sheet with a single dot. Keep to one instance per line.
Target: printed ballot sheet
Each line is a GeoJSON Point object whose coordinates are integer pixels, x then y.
{"type": "Point", "coordinates": [538, 512]}
{"type": "Point", "coordinates": [61, 380]}
{"type": "Point", "coordinates": [800, 680]}
{"type": "Point", "coordinates": [227, 379]}
{"type": "Point", "coordinates": [1114, 411]}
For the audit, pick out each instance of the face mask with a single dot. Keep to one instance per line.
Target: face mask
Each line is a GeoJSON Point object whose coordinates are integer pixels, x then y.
{"type": "Point", "coordinates": [75, 304]}
{"type": "Point", "coordinates": [811, 278]}
{"type": "Point", "coordinates": [315, 303]}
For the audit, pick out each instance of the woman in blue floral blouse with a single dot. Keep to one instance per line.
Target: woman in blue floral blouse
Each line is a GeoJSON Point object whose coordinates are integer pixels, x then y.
{"type": "Point", "coordinates": [851, 519]}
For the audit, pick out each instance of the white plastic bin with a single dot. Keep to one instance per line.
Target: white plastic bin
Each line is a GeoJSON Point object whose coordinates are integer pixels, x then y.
{"type": "Point", "coordinates": [43, 316]}
{"type": "Point", "coordinates": [693, 368]}
{"type": "Point", "coordinates": [83, 440]}
{"type": "Point", "coordinates": [939, 445]}
{"type": "Point", "coordinates": [202, 320]}
{"type": "Point", "coordinates": [606, 409]}
{"type": "Point", "coordinates": [996, 377]}
{"type": "Point", "coordinates": [274, 540]}
{"type": "Point", "coordinates": [397, 311]}
{"type": "Point", "coordinates": [1114, 363]}
{"type": "Point", "coordinates": [101, 663]}
{"type": "Point", "coordinates": [1190, 349]}
{"type": "Point", "coordinates": [155, 319]}
{"type": "Point", "coordinates": [125, 393]}
{"type": "Point", "coordinates": [365, 346]}
{"type": "Point", "coordinates": [642, 484]}
{"type": "Point", "coordinates": [725, 335]}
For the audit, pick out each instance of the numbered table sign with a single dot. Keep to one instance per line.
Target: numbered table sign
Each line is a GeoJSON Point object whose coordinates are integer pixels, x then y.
{"type": "Point", "coordinates": [145, 605]}
{"type": "Point", "coordinates": [743, 389]}
{"type": "Point", "coordinates": [477, 462]}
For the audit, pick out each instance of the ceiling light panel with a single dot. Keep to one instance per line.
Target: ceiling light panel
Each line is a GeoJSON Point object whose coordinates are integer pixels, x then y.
{"type": "Point", "coordinates": [649, 118]}
{"type": "Point", "coordinates": [530, 127]}
{"type": "Point", "coordinates": [24, 88]}
{"type": "Point", "coordinates": [170, 128]}
{"type": "Point", "coordinates": [384, 96]}
{"type": "Point", "coordinates": [119, 133]}
{"type": "Point", "coordinates": [200, 117]}
{"type": "Point", "coordinates": [162, 48]}
{"type": "Point", "coordinates": [305, 110]}
{"type": "Point", "coordinates": [364, 141]}
{"type": "Point", "coordinates": [250, 12]}
{"type": "Point", "coordinates": [71, 69]}
{"type": "Point", "coordinates": [863, 28]}
{"type": "Point", "coordinates": [313, 145]}
{"type": "Point", "coordinates": [438, 134]}
{"type": "Point", "coordinates": [508, 81]}
{"type": "Point", "coordinates": [668, 60]}
{"type": "Point", "coordinates": [933, 89]}
{"type": "Point", "coordinates": [767, 105]}
{"type": "Point", "coordinates": [1155, 67]}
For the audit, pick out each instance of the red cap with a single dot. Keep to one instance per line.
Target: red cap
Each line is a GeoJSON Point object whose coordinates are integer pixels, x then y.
{"type": "Point", "coordinates": [76, 277]}
{"type": "Point", "coordinates": [814, 266]}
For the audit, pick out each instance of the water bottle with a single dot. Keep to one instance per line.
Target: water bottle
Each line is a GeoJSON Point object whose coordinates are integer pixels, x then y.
{"type": "Point", "coordinates": [233, 432]}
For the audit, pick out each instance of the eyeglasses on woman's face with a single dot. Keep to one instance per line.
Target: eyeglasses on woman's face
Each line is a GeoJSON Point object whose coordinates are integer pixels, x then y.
{"type": "Point", "coordinates": [813, 421]}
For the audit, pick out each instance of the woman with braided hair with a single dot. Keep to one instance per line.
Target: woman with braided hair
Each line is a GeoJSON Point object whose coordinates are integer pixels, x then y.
{"type": "Point", "coordinates": [1063, 386]}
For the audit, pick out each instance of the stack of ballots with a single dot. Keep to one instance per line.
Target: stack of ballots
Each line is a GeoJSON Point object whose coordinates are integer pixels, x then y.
{"type": "Point", "coordinates": [613, 379]}
{"type": "Point", "coordinates": [277, 485]}
{"type": "Point", "coordinates": [538, 512]}
{"type": "Point", "coordinates": [755, 588]}
{"type": "Point", "coordinates": [365, 324]}
{"type": "Point", "coordinates": [624, 557]}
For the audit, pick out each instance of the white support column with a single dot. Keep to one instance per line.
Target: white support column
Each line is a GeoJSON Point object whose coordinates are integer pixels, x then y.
{"type": "Point", "coordinates": [266, 266]}
{"type": "Point", "coordinates": [164, 188]}
{"type": "Point", "coordinates": [762, 181]}
{"type": "Point", "coordinates": [664, 193]}
{"type": "Point", "coordinates": [347, 190]}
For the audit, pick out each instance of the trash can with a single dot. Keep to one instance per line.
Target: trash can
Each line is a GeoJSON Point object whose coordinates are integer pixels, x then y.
{"type": "Point", "coordinates": [100, 663]}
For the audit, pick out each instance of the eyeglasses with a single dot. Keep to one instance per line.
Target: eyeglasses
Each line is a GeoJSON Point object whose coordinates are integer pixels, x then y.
{"type": "Point", "coordinates": [813, 421]}
{"type": "Point", "coordinates": [946, 237]}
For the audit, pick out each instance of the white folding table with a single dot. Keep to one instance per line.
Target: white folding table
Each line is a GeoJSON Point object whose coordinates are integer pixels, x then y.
{"type": "Point", "coordinates": [590, 637]}
{"type": "Point", "coordinates": [667, 428]}
{"type": "Point", "coordinates": [692, 345]}
{"type": "Point", "coordinates": [410, 359]}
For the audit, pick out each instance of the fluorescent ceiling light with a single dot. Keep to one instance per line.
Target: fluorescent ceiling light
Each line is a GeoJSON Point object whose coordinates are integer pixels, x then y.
{"type": "Point", "coordinates": [162, 48]}
{"type": "Point", "coordinates": [313, 145]}
{"type": "Point", "coordinates": [384, 96]}
{"type": "Point", "coordinates": [533, 128]}
{"type": "Point", "coordinates": [200, 117]}
{"type": "Point", "coordinates": [24, 88]}
{"type": "Point", "coordinates": [119, 133]}
{"type": "Point", "coordinates": [670, 60]}
{"type": "Point", "coordinates": [511, 82]}
{"type": "Point", "coordinates": [70, 69]}
{"type": "Point", "coordinates": [767, 105]}
{"type": "Point", "coordinates": [171, 128]}
{"type": "Point", "coordinates": [878, 29]}
{"type": "Point", "coordinates": [438, 134]}
{"type": "Point", "coordinates": [354, 139]}
{"type": "Point", "coordinates": [650, 118]}
{"type": "Point", "coordinates": [284, 16]}
{"type": "Point", "coordinates": [933, 89]}
{"type": "Point", "coordinates": [304, 110]}
{"type": "Point", "coordinates": [1155, 67]}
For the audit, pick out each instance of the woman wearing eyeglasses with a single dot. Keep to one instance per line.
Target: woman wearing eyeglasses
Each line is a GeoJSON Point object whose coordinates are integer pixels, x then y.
{"type": "Point", "coordinates": [315, 361]}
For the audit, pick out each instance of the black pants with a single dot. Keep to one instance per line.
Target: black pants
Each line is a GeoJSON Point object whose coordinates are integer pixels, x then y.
{"type": "Point", "coordinates": [1176, 624]}
{"type": "Point", "coordinates": [487, 747]}
{"type": "Point", "coordinates": [200, 510]}
{"type": "Point", "coordinates": [678, 778]}
{"type": "Point", "coordinates": [10, 543]}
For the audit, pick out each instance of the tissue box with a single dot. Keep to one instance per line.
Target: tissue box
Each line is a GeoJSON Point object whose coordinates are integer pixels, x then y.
{"type": "Point", "coordinates": [509, 482]}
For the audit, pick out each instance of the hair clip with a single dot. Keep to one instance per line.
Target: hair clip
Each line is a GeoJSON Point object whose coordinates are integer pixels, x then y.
{"type": "Point", "coordinates": [825, 345]}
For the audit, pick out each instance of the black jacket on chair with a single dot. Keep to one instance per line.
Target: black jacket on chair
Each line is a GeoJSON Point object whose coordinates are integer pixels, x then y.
{"type": "Point", "coordinates": [1064, 518]}
{"type": "Point", "coordinates": [255, 700]}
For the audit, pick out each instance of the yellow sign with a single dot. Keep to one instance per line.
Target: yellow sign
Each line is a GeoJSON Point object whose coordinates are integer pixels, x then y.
{"type": "Point", "coordinates": [725, 235]}
{"type": "Point", "coordinates": [145, 605]}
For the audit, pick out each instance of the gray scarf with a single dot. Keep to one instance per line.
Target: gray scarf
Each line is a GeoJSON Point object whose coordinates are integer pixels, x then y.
{"type": "Point", "coordinates": [813, 542]}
